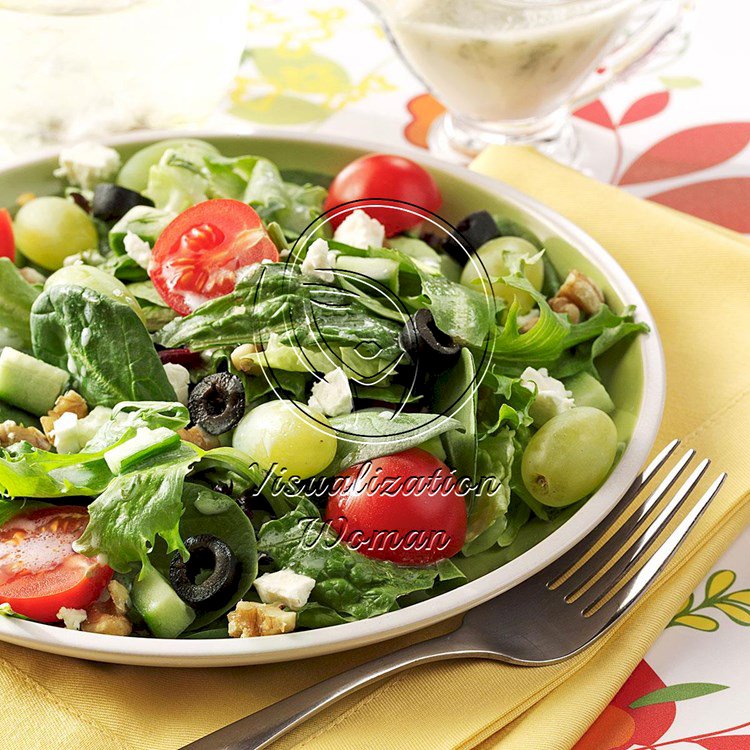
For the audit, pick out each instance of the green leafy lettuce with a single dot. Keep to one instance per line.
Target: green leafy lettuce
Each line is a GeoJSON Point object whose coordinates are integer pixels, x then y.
{"type": "Point", "coordinates": [16, 299]}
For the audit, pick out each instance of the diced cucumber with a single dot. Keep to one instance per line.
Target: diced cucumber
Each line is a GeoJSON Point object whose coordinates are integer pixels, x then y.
{"type": "Point", "coordinates": [588, 391]}
{"type": "Point", "coordinates": [145, 443]}
{"type": "Point", "coordinates": [165, 614]}
{"type": "Point", "coordinates": [383, 270]}
{"type": "Point", "coordinates": [29, 383]}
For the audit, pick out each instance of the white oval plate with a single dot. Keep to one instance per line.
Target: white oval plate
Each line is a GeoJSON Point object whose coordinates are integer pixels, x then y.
{"type": "Point", "coordinates": [233, 652]}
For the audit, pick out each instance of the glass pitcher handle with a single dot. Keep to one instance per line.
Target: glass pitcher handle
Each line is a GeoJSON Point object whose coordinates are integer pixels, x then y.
{"type": "Point", "coordinates": [638, 45]}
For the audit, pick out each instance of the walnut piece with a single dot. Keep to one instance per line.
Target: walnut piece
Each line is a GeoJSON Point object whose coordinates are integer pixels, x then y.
{"type": "Point", "coordinates": [12, 433]}
{"type": "Point", "coordinates": [527, 322]}
{"type": "Point", "coordinates": [251, 619]}
{"type": "Point", "coordinates": [198, 436]}
{"type": "Point", "coordinates": [582, 292]}
{"type": "Point", "coordinates": [68, 402]}
{"type": "Point", "coordinates": [566, 307]}
{"type": "Point", "coordinates": [107, 615]}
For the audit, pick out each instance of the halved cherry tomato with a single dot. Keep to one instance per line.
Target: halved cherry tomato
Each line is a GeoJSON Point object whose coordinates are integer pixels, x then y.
{"type": "Point", "coordinates": [7, 243]}
{"type": "Point", "coordinates": [405, 508]}
{"type": "Point", "coordinates": [197, 256]}
{"type": "Point", "coordinates": [39, 570]}
{"type": "Point", "coordinates": [385, 176]}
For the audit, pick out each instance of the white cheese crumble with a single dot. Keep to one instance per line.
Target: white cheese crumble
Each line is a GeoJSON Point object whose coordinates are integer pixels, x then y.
{"type": "Point", "coordinates": [72, 618]}
{"type": "Point", "coordinates": [552, 398]}
{"type": "Point", "coordinates": [65, 429]}
{"type": "Point", "coordinates": [360, 230]}
{"type": "Point", "coordinates": [284, 587]}
{"type": "Point", "coordinates": [179, 379]}
{"type": "Point", "coordinates": [139, 250]}
{"type": "Point", "coordinates": [90, 425]}
{"type": "Point", "coordinates": [85, 165]}
{"type": "Point", "coordinates": [332, 395]}
{"type": "Point", "coordinates": [319, 260]}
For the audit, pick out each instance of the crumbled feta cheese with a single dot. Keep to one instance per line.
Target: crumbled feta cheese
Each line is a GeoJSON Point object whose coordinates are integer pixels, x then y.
{"type": "Point", "coordinates": [332, 395]}
{"type": "Point", "coordinates": [139, 250]}
{"type": "Point", "coordinates": [360, 230]}
{"type": "Point", "coordinates": [85, 165]}
{"type": "Point", "coordinates": [72, 618]}
{"type": "Point", "coordinates": [90, 425]}
{"type": "Point", "coordinates": [284, 587]}
{"type": "Point", "coordinates": [67, 438]}
{"type": "Point", "coordinates": [319, 260]}
{"type": "Point", "coordinates": [179, 379]}
{"type": "Point", "coordinates": [551, 396]}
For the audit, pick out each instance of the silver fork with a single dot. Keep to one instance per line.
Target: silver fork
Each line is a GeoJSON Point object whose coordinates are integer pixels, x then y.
{"type": "Point", "coordinates": [549, 617]}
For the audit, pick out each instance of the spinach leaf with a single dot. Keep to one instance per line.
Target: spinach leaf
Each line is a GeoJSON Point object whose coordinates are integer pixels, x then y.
{"type": "Point", "coordinates": [209, 512]}
{"type": "Point", "coordinates": [364, 435]}
{"type": "Point", "coordinates": [102, 343]}
{"type": "Point", "coordinates": [16, 299]}
{"type": "Point", "coordinates": [348, 583]}
{"type": "Point", "coordinates": [278, 299]}
{"type": "Point", "coordinates": [19, 416]}
{"type": "Point", "coordinates": [138, 506]}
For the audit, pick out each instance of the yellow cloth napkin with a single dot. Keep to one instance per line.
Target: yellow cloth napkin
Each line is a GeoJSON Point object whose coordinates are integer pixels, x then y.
{"type": "Point", "coordinates": [694, 277]}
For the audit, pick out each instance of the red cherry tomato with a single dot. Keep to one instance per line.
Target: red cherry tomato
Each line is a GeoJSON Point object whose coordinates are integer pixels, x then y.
{"type": "Point", "coordinates": [405, 508]}
{"type": "Point", "coordinates": [7, 243]}
{"type": "Point", "coordinates": [385, 176]}
{"type": "Point", "coordinates": [197, 256]}
{"type": "Point", "coordinates": [39, 570]}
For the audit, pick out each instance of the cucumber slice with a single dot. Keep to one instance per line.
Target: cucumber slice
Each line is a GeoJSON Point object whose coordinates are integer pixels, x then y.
{"type": "Point", "coordinates": [29, 383]}
{"type": "Point", "coordinates": [165, 614]}
{"type": "Point", "coordinates": [588, 391]}
{"type": "Point", "coordinates": [145, 443]}
{"type": "Point", "coordinates": [383, 270]}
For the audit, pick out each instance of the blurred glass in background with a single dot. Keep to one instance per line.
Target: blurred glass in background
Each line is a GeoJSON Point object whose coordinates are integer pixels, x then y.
{"type": "Point", "coordinates": [78, 69]}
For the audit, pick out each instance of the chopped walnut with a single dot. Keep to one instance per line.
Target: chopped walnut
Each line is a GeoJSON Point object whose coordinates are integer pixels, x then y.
{"type": "Point", "coordinates": [68, 402]}
{"type": "Point", "coordinates": [198, 436]}
{"type": "Point", "coordinates": [250, 619]}
{"type": "Point", "coordinates": [244, 363]}
{"type": "Point", "coordinates": [566, 307]}
{"type": "Point", "coordinates": [31, 275]}
{"type": "Point", "coordinates": [12, 433]}
{"type": "Point", "coordinates": [582, 292]}
{"type": "Point", "coordinates": [107, 614]}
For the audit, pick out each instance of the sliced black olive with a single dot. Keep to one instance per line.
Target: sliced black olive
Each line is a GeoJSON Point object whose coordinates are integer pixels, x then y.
{"type": "Point", "coordinates": [430, 349]}
{"type": "Point", "coordinates": [208, 578]}
{"type": "Point", "coordinates": [217, 403]}
{"type": "Point", "coordinates": [111, 202]}
{"type": "Point", "coordinates": [475, 229]}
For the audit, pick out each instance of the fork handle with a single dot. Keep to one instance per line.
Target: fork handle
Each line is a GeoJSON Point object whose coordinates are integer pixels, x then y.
{"type": "Point", "coordinates": [263, 727]}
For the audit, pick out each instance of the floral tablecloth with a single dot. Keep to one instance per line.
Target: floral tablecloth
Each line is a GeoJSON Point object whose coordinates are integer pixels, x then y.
{"type": "Point", "coordinates": [676, 133]}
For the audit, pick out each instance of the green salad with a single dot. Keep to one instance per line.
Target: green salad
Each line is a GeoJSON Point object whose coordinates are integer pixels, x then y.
{"type": "Point", "coordinates": [238, 401]}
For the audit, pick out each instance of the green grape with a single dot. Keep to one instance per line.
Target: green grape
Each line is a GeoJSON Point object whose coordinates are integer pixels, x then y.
{"type": "Point", "coordinates": [134, 173]}
{"type": "Point", "coordinates": [48, 230]}
{"type": "Point", "coordinates": [289, 437]}
{"type": "Point", "coordinates": [570, 456]}
{"type": "Point", "coordinates": [499, 257]}
{"type": "Point", "coordinates": [98, 280]}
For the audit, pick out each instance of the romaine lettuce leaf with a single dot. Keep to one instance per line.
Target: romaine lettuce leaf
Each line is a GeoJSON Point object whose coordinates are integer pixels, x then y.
{"type": "Point", "coordinates": [16, 299]}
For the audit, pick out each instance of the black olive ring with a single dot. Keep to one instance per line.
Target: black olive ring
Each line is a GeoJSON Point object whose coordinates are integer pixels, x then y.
{"type": "Point", "coordinates": [207, 552]}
